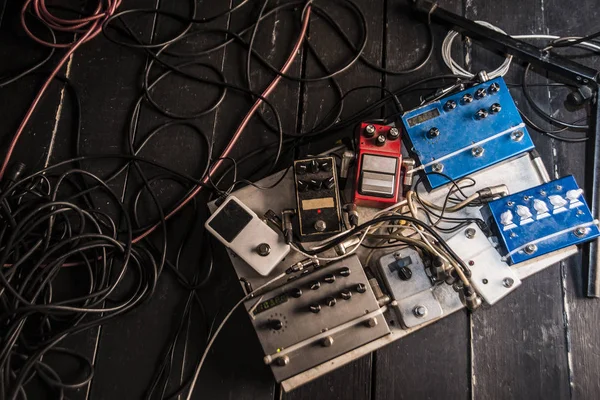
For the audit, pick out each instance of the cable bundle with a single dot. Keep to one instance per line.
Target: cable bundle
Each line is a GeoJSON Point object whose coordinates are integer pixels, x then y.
{"type": "Point", "coordinates": [52, 232]}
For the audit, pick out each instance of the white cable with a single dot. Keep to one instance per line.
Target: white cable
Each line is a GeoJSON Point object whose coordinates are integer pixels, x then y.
{"type": "Point", "coordinates": [221, 325]}
{"type": "Point", "coordinates": [457, 69]}
{"type": "Point", "coordinates": [586, 45]}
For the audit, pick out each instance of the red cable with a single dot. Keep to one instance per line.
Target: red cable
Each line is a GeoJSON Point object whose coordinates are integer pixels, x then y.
{"type": "Point", "coordinates": [89, 27]}
{"type": "Point", "coordinates": [241, 127]}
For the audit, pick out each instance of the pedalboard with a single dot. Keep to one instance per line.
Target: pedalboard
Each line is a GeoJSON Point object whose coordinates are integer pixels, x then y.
{"type": "Point", "coordinates": [245, 234]}
{"type": "Point", "coordinates": [540, 220]}
{"type": "Point", "coordinates": [466, 132]}
{"type": "Point", "coordinates": [316, 316]}
{"type": "Point", "coordinates": [378, 166]}
{"type": "Point", "coordinates": [317, 198]}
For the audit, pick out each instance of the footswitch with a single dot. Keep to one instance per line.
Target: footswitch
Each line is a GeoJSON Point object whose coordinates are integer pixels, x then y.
{"type": "Point", "coordinates": [466, 132]}
{"type": "Point", "coordinates": [316, 317]}
{"type": "Point", "coordinates": [540, 220]}
{"type": "Point", "coordinates": [243, 232]}
{"type": "Point", "coordinates": [317, 198]}
{"type": "Point", "coordinates": [378, 166]}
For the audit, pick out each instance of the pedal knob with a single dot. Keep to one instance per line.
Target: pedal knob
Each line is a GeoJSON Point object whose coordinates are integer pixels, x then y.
{"type": "Point", "coordinates": [301, 169]}
{"type": "Point", "coordinates": [450, 105]}
{"type": "Point", "coordinates": [330, 301]}
{"type": "Point", "coordinates": [481, 114]}
{"type": "Point", "coordinates": [433, 133]}
{"type": "Point", "coordinates": [494, 88]}
{"type": "Point", "coordinates": [275, 324]}
{"type": "Point", "coordinates": [326, 166]}
{"type": "Point", "coordinates": [315, 184]}
{"type": "Point", "coordinates": [302, 186]}
{"type": "Point", "coordinates": [369, 131]}
{"type": "Point", "coordinates": [329, 183]}
{"type": "Point", "coordinates": [361, 288]}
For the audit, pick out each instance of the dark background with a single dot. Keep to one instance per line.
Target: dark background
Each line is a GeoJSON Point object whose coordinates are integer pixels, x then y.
{"type": "Point", "coordinates": [543, 341]}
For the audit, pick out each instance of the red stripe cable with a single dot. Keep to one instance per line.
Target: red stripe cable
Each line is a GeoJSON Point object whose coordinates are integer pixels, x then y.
{"type": "Point", "coordinates": [241, 127]}
{"type": "Point", "coordinates": [89, 27]}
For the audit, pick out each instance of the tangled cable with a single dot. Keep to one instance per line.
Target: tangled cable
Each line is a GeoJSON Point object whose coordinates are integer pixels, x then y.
{"type": "Point", "coordinates": [90, 26]}
{"type": "Point", "coordinates": [51, 232]}
{"type": "Point", "coordinates": [87, 27]}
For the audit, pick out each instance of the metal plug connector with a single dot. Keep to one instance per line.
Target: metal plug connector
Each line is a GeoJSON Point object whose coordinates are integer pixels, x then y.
{"type": "Point", "coordinates": [493, 192]}
{"type": "Point", "coordinates": [352, 212]}
{"type": "Point", "coordinates": [302, 265]}
{"type": "Point", "coordinates": [471, 299]}
{"type": "Point", "coordinates": [342, 248]}
{"type": "Point", "coordinates": [287, 217]}
{"type": "Point", "coordinates": [408, 165]}
{"type": "Point", "coordinates": [347, 160]}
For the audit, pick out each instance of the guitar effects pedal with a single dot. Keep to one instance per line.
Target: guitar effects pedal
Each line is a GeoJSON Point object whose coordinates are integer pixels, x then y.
{"type": "Point", "coordinates": [244, 233]}
{"type": "Point", "coordinates": [466, 132]}
{"type": "Point", "coordinates": [317, 198]}
{"type": "Point", "coordinates": [378, 166]}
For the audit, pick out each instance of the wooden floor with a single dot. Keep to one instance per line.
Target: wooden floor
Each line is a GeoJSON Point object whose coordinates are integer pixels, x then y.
{"type": "Point", "coordinates": [542, 342]}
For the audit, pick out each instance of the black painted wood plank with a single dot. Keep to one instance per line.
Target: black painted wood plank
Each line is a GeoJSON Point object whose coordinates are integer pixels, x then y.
{"type": "Point", "coordinates": [106, 98]}
{"type": "Point", "coordinates": [352, 381]}
{"type": "Point", "coordinates": [519, 346]}
{"type": "Point", "coordinates": [581, 316]}
{"type": "Point", "coordinates": [37, 145]}
{"type": "Point", "coordinates": [15, 99]}
{"type": "Point", "coordinates": [234, 367]}
{"type": "Point", "coordinates": [412, 367]}
{"type": "Point", "coordinates": [428, 364]}
{"type": "Point", "coordinates": [150, 327]}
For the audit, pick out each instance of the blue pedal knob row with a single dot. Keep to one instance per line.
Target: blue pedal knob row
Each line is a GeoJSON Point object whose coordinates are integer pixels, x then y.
{"type": "Point", "coordinates": [540, 220]}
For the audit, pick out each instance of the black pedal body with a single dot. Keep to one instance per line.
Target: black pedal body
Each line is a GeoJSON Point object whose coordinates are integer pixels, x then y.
{"type": "Point", "coordinates": [317, 198]}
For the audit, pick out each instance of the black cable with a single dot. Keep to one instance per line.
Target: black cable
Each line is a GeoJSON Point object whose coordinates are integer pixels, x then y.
{"type": "Point", "coordinates": [331, 244]}
{"type": "Point", "coordinates": [541, 112]}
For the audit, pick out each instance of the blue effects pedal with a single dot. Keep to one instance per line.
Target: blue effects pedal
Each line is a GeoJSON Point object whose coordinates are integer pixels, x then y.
{"type": "Point", "coordinates": [540, 220]}
{"type": "Point", "coordinates": [466, 132]}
